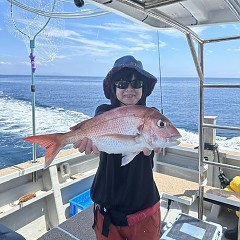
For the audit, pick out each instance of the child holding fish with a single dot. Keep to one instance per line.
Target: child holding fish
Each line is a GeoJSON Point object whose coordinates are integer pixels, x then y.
{"type": "Point", "coordinates": [125, 132]}
{"type": "Point", "coordinates": [127, 202]}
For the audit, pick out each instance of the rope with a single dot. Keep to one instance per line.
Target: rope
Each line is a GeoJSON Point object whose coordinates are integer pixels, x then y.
{"type": "Point", "coordinates": [160, 74]}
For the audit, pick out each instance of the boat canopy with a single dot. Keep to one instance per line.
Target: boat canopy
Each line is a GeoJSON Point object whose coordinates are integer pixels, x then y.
{"type": "Point", "coordinates": [174, 13]}
{"type": "Point", "coordinates": [158, 14]}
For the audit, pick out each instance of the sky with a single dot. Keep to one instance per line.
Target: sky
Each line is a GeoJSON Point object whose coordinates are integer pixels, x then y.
{"type": "Point", "coordinates": [89, 46]}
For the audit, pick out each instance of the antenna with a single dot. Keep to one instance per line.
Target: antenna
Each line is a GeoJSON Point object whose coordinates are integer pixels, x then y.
{"type": "Point", "coordinates": [160, 74]}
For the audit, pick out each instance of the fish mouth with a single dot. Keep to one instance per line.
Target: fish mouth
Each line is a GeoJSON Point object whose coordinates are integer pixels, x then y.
{"type": "Point", "coordinates": [166, 143]}
{"type": "Point", "coordinates": [173, 138]}
{"type": "Point", "coordinates": [173, 141]}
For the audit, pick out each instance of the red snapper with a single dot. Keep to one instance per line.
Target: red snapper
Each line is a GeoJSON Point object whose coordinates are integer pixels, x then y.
{"type": "Point", "coordinates": [125, 130]}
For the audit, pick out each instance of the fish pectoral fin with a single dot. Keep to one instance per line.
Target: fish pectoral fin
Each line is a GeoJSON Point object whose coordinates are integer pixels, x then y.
{"type": "Point", "coordinates": [128, 157]}
{"type": "Point", "coordinates": [140, 128]}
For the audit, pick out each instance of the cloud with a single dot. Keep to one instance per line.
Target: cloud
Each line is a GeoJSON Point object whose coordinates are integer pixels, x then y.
{"type": "Point", "coordinates": [59, 33]}
{"type": "Point", "coordinates": [138, 44]}
{"type": "Point", "coordinates": [81, 39]}
{"type": "Point", "coordinates": [199, 29]}
{"type": "Point", "coordinates": [236, 27]}
{"type": "Point", "coordinates": [95, 43]}
{"type": "Point", "coordinates": [123, 26]}
{"type": "Point", "coordinates": [115, 37]}
{"type": "Point", "coordinates": [126, 27]}
{"type": "Point", "coordinates": [90, 39]}
{"type": "Point", "coordinates": [178, 34]}
{"type": "Point", "coordinates": [91, 48]}
{"type": "Point", "coordinates": [145, 36]}
{"type": "Point", "coordinates": [60, 57]}
{"type": "Point", "coordinates": [84, 40]}
{"type": "Point", "coordinates": [5, 63]}
{"type": "Point", "coordinates": [209, 52]}
{"type": "Point", "coordinates": [25, 63]}
{"type": "Point", "coordinates": [233, 26]}
{"type": "Point", "coordinates": [233, 49]}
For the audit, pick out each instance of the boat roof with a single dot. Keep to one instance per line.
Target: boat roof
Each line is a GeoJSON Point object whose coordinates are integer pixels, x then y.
{"type": "Point", "coordinates": [179, 14]}
{"type": "Point", "coordinates": [158, 14]}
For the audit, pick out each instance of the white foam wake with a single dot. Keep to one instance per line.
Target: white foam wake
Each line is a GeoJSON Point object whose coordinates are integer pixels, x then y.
{"type": "Point", "coordinates": [16, 118]}
{"type": "Point", "coordinates": [223, 142]}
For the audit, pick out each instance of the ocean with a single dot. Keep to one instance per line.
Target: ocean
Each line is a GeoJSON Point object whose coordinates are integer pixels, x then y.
{"type": "Point", "coordinates": [62, 101]}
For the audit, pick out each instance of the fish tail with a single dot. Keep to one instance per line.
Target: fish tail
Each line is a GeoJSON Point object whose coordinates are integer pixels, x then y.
{"type": "Point", "coordinates": [52, 142]}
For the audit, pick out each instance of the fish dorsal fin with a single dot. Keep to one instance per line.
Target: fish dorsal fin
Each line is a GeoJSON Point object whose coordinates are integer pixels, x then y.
{"type": "Point", "coordinates": [77, 126]}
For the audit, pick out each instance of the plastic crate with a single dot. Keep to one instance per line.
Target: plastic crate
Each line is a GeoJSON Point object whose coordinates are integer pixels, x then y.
{"type": "Point", "coordinates": [80, 202]}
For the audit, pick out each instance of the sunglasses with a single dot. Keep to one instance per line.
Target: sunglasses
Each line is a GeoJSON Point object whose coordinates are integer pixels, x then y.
{"type": "Point", "coordinates": [122, 84]}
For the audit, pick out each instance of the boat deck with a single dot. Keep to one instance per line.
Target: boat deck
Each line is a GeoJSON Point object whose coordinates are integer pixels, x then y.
{"type": "Point", "coordinates": [79, 227]}
{"type": "Point", "coordinates": [182, 192]}
{"type": "Point", "coordinates": [184, 199]}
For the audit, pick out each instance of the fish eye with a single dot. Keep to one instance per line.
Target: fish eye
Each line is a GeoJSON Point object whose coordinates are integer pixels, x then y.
{"type": "Point", "coordinates": [161, 124]}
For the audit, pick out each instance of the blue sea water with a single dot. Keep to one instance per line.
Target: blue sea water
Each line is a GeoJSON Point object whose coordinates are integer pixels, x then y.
{"type": "Point", "coordinates": [62, 101]}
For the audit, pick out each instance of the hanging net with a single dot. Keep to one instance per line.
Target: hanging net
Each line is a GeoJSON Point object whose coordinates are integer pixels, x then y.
{"type": "Point", "coordinates": [27, 25]}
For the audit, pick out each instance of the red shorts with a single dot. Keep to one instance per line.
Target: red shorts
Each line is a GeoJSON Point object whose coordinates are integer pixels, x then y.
{"type": "Point", "coordinates": [146, 229]}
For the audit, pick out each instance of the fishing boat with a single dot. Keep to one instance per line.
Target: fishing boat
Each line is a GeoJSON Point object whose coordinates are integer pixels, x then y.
{"type": "Point", "coordinates": [54, 203]}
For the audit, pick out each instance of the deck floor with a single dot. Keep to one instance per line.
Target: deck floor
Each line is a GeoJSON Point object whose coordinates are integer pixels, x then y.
{"type": "Point", "coordinates": [79, 227]}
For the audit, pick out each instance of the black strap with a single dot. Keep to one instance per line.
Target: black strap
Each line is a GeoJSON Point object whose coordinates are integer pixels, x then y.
{"type": "Point", "coordinates": [112, 217]}
{"type": "Point", "coordinates": [106, 224]}
{"type": "Point", "coordinates": [106, 221]}
{"type": "Point", "coordinates": [94, 215]}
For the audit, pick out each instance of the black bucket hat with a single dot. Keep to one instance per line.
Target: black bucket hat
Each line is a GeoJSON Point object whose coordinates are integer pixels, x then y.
{"type": "Point", "coordinates": [128, 62]}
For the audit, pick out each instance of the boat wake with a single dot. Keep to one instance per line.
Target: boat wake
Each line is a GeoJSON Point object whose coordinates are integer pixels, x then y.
{"type": "Point", "coordinates": [223, 142]}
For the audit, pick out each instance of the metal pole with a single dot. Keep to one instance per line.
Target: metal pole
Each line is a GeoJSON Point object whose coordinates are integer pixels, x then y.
{"type": "Point", "coordinates": [222, 165]}
{"type": "Point", "coordinates": [198, 61]}
{"type": "Point", "coordinates": [201, 135]}
{"type": "Point", "coordinates": [221, 127]}
{"type": "Point", "coordinates": [33, 68]}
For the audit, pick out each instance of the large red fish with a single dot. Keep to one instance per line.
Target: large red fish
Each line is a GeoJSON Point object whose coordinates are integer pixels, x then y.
{"type": "Point", "coordinates": [125, 130]}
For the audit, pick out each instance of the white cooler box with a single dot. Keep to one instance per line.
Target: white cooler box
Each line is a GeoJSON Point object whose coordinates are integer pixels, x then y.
{"type": "Point", "coordinates": [189, 228]}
